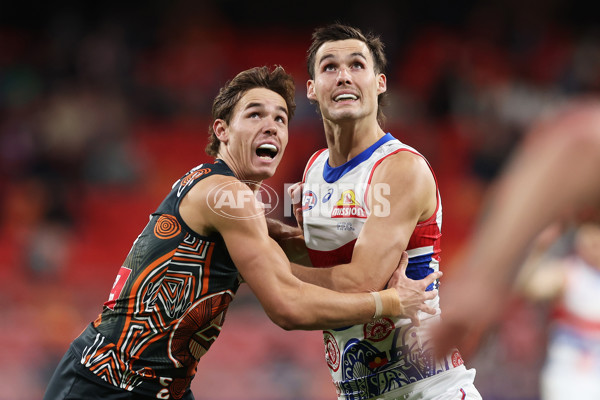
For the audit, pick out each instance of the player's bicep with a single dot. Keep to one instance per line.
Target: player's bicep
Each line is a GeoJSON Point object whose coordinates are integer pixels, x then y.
{"type": "Point", "coordinates": [257, 257]}
{"type": "Point", "coordinates": [402, 192]}
{"type": "Point", "coordinates": [379, 247]}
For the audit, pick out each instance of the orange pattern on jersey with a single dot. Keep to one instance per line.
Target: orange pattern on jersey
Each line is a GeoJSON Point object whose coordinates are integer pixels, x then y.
{"type": "Point", "coordinates": [190, 319]}
{"type": "Point", "coordinates": [167, 227]}
{"type": "Point", "coordinates": [103, 370]}
{"type": "Point", "coordinates": [194, 175]}
{"type": "Point", "coordinates": [137, 330]}
{"type": "Point", "coordinates": [206, 271]}
{"type": "Point", "coordinates": [194, 334]}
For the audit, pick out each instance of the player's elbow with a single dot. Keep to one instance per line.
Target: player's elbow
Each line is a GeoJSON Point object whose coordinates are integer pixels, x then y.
{"type": "Point", "coordinates": [285, 323]}
{"type": "Point", "coordinates": [358, 278]}
{"type": "Point", "coordinates": [363, 283]}
{"type": "Point", "coordinates": [288, 317]}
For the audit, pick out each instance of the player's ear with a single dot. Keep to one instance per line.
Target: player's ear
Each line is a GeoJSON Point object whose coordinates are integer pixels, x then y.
{"type": "Point", "coordinates": [221, 131]}
{"type": "Point", "coordinates": [310, 90]}
{"type": "Point", "coordinates": [381, 83]}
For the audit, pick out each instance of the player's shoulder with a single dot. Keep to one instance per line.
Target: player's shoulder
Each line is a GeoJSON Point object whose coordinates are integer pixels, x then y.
{"type": "Point", "coordinates": [404, 160]}
{"type": "Point", "coordinates": [225, 202]}
{"type": "Point", "coordinates": [214, 186]}
{"type": "Point", "coordinates": [404, 168]}
{"type": "Point", "coordinates": [321, 154]}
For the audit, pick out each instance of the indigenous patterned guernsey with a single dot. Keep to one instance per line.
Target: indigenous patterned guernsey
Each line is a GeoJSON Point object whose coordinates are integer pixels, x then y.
{"type": "Point", "coordinates": [167, 304]}
{"type": "Point", "coordinates": [384, 355]}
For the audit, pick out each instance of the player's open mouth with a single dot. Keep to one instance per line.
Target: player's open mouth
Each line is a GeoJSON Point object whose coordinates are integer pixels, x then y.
{"type": "Point", "coordinates": [345, 96]}
{"type": "Point", "coordinates": [267, 151]}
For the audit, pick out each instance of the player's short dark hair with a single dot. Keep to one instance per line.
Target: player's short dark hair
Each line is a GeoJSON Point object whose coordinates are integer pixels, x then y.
{"type": "Point", "coordinates": [338, 31]}
{"type": "Point", "coordinates": [230, 94]}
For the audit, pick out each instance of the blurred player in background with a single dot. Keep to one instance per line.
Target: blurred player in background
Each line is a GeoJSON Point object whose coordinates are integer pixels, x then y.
{"type": "Point", "coordinates": [563, 269]}
{"type": "Point", "coordinates": [552, 175]}
{"type": "Point", "coordinates": [170, 297]}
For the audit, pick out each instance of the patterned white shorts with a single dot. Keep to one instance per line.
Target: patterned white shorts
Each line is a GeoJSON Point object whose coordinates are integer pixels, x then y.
{"type": "Point", "coordinates": [455, 384]}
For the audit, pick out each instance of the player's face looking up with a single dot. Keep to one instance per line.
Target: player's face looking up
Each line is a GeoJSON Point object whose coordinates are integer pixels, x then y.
{"type": "Point", "coordinates": [253, 142]}
{"type": "Point", "coordinates": [345, 84]}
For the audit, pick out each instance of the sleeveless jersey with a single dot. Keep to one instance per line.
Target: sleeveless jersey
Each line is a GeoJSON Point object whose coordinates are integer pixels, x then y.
{"type": "Point", "coordinates": [369, 360]}
{"type": "Point", "coordinates": [576, 315]}
{"type": "Point", "coordinates": [572, 365]}
{"type": "Point", "coordinates": [167, 304]}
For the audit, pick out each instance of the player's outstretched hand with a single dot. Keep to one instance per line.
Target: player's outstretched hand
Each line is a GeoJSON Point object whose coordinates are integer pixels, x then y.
{"type": "Point", "coordinates": [412, 292]}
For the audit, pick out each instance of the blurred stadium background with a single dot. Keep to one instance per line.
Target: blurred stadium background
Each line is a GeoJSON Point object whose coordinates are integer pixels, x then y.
{"type": "Point", "coordinates": [103, 105]}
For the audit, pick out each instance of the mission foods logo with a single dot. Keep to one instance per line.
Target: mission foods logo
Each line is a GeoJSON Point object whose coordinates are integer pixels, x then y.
{"type": "Point", "coordinates": [347, 206]}
{"type": "Point", "coordinates": [227, 199]}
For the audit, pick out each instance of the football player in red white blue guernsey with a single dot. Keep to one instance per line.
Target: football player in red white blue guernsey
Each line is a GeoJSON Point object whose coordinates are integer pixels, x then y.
{"type": "Point", "coordinates": [366, 199]}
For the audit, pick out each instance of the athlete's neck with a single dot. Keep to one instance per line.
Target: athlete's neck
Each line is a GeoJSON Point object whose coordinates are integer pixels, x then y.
{"type": "Point", "coordinates": [252, 182]}
{"type": "Point", "coordinates": [347, 141]}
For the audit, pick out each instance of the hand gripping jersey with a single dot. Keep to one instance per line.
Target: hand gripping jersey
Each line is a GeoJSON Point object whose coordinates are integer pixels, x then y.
{"type": "Point", "coordinates": [167, 304]}
{"type": "Point", "coordinates": [373, 359]}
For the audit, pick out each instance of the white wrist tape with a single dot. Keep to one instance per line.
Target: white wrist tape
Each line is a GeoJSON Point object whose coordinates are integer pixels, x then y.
{"type": "Point", "coordinates": [378, 305]}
